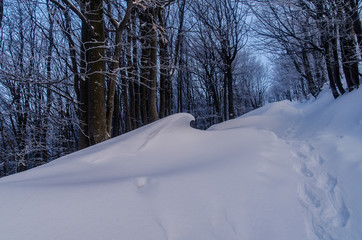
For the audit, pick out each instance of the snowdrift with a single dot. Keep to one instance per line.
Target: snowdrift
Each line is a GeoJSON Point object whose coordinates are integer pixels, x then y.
{"type": "Point", "coordinates": [285, 171]}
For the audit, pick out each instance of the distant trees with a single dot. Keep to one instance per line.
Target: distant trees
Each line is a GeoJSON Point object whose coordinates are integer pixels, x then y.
{"type": "Point", "coordinates": [220, 33]}
{"type": "Point", "coordinates": [222, 27]}
{"type": "Point", "coordinates": [286, 82]}
{"type": "Point", "coordinates": [37, 121]}
{"type": "Point", "coordinates": [77, 72]}
{"type": "Point", "coordinates": [311, 33]}
{"type": "Point", "coordinates": [252, 82]}
{"type": "Point", "coordinates": [74, 73]}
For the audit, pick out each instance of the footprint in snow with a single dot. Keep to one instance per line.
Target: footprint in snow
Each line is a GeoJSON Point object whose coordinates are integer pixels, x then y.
{"type": "Point", "coordinates": [141, 182]}
{"type": "Point", "coordinates": [319, 194]}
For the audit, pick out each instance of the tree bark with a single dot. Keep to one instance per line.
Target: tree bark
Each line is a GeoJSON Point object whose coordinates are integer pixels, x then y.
{"type": "Point", "coordinates": [164, 70]}
{"type": "Point", "coordinates": [116, 123]}
{"type": "Point", "coordinates": [1, 11]}
{"type": "Point", "coordinates": [229, 77]}
{"type": "Point", "coordinates": [153, 113]}
{"type": "Point", "coordinates": [336, 71]}
{"type": "Point", "coordinates": [132, 80]}
{"type": "Point", "coordinates": [83, 97]}
{"type": "Point", "coordinates": [145, 66]}
{"type": "Point", "coordinates": [48, 92]}
{"type": "Point", "coordinates": [126, 110]}
{"type": "Point", "coordinates": [308, 75]}
{"type": "Point", "coordinates": [95, 69]}
{"type": "Point", "coordinates": [119, 26]}
{"type": "Point", "coordinates": [329, 65]}
{"type": "Point", "coordinates": [348, 48]}
{"type": "Point", "coordinates": [356, 20]}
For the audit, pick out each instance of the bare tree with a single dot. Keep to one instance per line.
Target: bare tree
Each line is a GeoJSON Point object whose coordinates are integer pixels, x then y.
{"type": "Point", "coordinates": [307, 30]}
{"type": "Point", "coordinates": [225, 23]}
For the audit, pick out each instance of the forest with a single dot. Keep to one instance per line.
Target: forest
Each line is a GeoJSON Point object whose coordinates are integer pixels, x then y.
{"type": "Point", "coordinates": [74, 73]}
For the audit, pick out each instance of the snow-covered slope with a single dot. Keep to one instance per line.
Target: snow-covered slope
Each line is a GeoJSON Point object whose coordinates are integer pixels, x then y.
{"type": "Point", "coordinates": [285, 171]}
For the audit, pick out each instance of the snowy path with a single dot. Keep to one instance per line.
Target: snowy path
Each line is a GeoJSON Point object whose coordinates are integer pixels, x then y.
{"type": "Point", "coordinates": [325, 140]}
{"type": "Point", "coordinates": [320, 195]}
{"type": "Point", "coordinates": [326, 212]}
{"type": "Point", "coordinates": [324, 137]}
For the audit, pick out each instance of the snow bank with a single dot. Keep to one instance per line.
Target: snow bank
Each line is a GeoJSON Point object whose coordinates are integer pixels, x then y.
{"type": "Point", "coordinates": [285, 171]}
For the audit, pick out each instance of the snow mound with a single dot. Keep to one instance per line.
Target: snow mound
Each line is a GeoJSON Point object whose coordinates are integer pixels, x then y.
{"type": "Point", "coordinates": [285, 171]}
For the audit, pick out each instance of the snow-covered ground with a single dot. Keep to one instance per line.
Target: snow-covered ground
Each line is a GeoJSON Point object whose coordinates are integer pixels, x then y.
{"type": "Point", "coordinates": [285, 171]}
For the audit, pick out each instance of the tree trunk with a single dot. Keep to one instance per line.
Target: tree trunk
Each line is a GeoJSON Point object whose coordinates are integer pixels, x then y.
{"type": "Point", "coordinates": [336, 71]}
{"type": "Point", "coordinates": [308, 75]}
{"type": "Point", "coordinates": [164, 77]}
{"type": "Point", "coordinates": [83, 100]}
{"type": "Point", "coordinates": [353, 11]}
{"type": "Point", "coordinates": [136, 85]}
{"type": "Point", "coordinates": [349, 52]}
{"type": "Point", "coordinates": [116, 122]}
{"type": "Point", "coordinates": [115, 64]}
{"type": "Point", "coordinates": [329, 65]}
{"type": "Point", "coordinates": [225, 99]}
{"type": "Point", "coordinates": [229, 77]}
{"type": "Point", "coordinates": [131, 83]}
{"type": "Point", "coordinates": [126, 111]}
{"type": "Point", "coordinates": [114, 68]}
{"type": "Point", "coordinates": [95, 69]}
{"type": "Point", "coordinates": [153, 113]}
{"type": "Point", "coordinates": [48, 92]}
{"type": "Point", "coordinates": [145, 66]}
{"type": "Point", "coordinates": [1, 11]}
{"type": "Point", "coordinates": [179, 91]}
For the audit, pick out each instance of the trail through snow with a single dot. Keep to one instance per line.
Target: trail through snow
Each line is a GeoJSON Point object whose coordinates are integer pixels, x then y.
{"type": "Point", "coordinates": [305, 129]}
{"type": "Point", "coordinates": [326, 211]}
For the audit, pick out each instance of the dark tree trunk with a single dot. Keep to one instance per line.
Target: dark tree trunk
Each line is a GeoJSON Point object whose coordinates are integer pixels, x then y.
{"type": "Point", "coordinates": [137, 102]}
{"type": "Point", "coordinates": [229, 77]}
{"type": "Point", "coordinates": [214, 95]}
{"type": "Point", "coordinates": [114, 68]}
{"type": "Point", "coordinates": [349, 53]}
{"type": "Point", "coordinates": [329, 65]}
{"type": "Point", "coordinates": [153, 113]}
{"type": "Point", "coordinates": [319, 69]}
{"type": "Point", "coordinates": [83, 98]}
{"type": "Point", "coordinates": [132, 74]}
{"type": "Point", "coordinates": [353, 11]}
{"type": "Point", "coordinates": [1, 11]}
{"type": "Point", "coordinates": [48, 91]}
{"type": "Point", "coordinates": [326, 29]}
{"type": "Point", "coordinates": [164, 77]}
{"type": "Point", "coordinates": [95, 69]}
{"type": "Point", "coordinates": [308, 75]}
{"type": "Point", "coordinates": [336, 71]}
{"type": "Point", "coordinates": [131, 88]}
{"type": "Point", "coordinates": [180, 83]}
{"type": "Point", "coordinates": [115, 64]}
{"type": "Point", "coordinates": [126, 110]}
{"type": "Point", "coordinates": [179, 91]}
{"type": "Point", "coordinates": [225, 98]}
{"type": "Point", "coordinates": [145, 66]}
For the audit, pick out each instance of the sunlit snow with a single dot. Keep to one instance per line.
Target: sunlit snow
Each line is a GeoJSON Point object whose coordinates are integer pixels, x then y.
{"type": "Point", "coordinates": [285, 171]}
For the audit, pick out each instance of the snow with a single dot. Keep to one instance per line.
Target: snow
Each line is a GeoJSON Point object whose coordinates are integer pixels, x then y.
{"type": "Point", "coordinates": [285, 171]}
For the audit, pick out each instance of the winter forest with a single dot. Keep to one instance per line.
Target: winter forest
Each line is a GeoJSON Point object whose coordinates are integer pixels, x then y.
{"type": "Point", "coordinates": [74, 73]}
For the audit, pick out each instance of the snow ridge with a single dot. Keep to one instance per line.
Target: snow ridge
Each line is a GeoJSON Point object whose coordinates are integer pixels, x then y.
{"type": "Point", "coordinates": [326, 212]}
{"type": "Point", "coordinates": [285, 171]}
